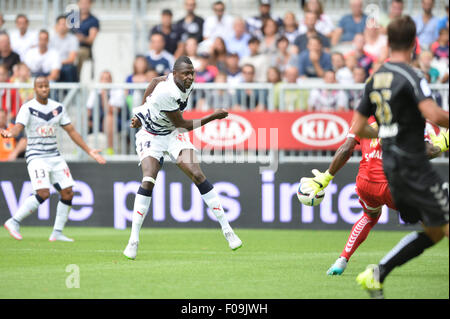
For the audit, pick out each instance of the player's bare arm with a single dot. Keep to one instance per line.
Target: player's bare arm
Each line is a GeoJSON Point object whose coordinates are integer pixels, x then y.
{"type": "Point", "coordinates": [14, 132]}
{"type": "Point", "coordinates": [362, 128]}
{"type": "Point", "coordinates": [343, 153]}
{"type": "Point", "coordinates": [177, 119]}
{"type": "Point", "coordinates": [76, 137]}
{"type": "Point", "coordinates": [432, 112]}
{"type": "Point", "coordinates": [152, 86]}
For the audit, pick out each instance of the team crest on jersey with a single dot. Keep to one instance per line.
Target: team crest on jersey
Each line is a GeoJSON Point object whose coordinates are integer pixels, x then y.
{"type": "Point", "coordinates": [46, 131]}
{"type": "Point", "coordinates": [67, 172]}
{"type": "Point", "coordinates": [182, 104]}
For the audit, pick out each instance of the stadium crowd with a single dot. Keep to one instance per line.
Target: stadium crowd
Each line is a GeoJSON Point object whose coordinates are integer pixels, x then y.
{"type": "Point", "coordinates": [231, 49]}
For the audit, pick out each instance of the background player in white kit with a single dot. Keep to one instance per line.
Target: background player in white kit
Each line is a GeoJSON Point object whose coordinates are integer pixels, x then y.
{"type": "Point", "coordinates": [163, 131]}
{"type": "Point", "coordinates": [41, 117]}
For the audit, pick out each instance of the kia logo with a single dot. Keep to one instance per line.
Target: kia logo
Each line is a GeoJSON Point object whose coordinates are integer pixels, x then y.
{"type": "Point", "coordinates": [232, 130]}
{"type": "Point", "coordinates": [320, 129]}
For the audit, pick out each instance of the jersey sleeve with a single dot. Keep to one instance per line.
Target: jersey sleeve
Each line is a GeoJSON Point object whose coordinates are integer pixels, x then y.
{"type": "Point", "coordinates": [65, 119]}
{"type": "Point", "coordinates": [365, 107]}
{"type": "Point", "coordinates": [420, 88]}
{"type": "Point", "coordinates": [352, 134]}
{"type": "Point", "coordinates": [23, 116]}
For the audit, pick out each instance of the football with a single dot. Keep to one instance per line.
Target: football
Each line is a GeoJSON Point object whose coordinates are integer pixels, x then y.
{"type": "Point", "coordinates": [303, 197]}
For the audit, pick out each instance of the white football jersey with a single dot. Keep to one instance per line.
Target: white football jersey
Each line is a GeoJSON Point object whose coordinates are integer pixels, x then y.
{"type": "Point", "coordinates": [166, 97]}
{"type": "Point", "coordinates": [41, 123]}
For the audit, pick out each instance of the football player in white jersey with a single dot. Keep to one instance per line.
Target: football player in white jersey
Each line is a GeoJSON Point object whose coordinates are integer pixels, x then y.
{"type": "Point", "coordinates": [164, 132]}
{"type": "Point", "coordinates": [41, 117]}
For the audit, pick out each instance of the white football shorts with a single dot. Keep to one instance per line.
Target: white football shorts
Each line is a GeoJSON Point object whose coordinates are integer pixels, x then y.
{"type": "Point", "coordinates": [156, 146]}
{"type": "Point", "coordinates": [47, 171]}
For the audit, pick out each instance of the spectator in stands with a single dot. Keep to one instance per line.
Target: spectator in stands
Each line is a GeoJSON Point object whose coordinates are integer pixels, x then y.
{"type": "Point", "coordinates": [395, 11]}
{"type": "Point", "coordinates": [237, 41]}
{"type": "Point", "coordinates": [219, 24]}
{"type": "Point", "coordinates": [313, 62]}
{"type": "Point", "coordinates": [260, 62]}
{"type": "Point", "coordinates": [270, 36]}
{"type": "Point", "coordinates": [249, 99]}
{"type": "Point", "coordinates": [9, 98]}
{"type": "Point", "coordinates": [255, 24]}
{"type": "Point", "coordinates": [443, 23]}
{"type": "Point", "coordinates": [274, 77]}
{"type": "Point", "coordinates": [355, 96]}
{"type": "Point", "coordinates": [8, 57]}
{"type": "Point", "coordinates": [343, 73]}
{"type": "Point", "coordinates": [361, 57]}
{"type": "Point", "coordinates": [42, 60]}
{"type": "Point", "coordinates": [110, 102]}
{"type": "Point", "coordinates": [233, 72]}
{"type": "Point", "coordinates": [191, 24]}
{"type": "Point", "coordinates": [191, 50]}
{"type": "Point", "coordinates": [172, 36]}
{"type": "Point", "coordinates": [24, 76]}
{"type": "Point", "coordinates": [158, 58]}
{"type": "Point", "coordinates": [350, 24]}
{"type": "Point", "coordinates": [375, 43]}
{"type": "Point", "coordinates": [66, 44]}
{"type": "Point", "coordinates": [207, 71]}
{"type": "Point", "coordinates": [218, 54]}
{"type": "Point", "coordinates": [150, 75]}
{"type": "Point", "coordinates": [86, 32]}
{"type": "Point", "coordinates": [294, 99]}
{"type": "Point", "coordinates": [23, 39]}
{"type": "Point", "coordinates": [440, 48]}
{"type": "Point", "coordinates": [10, 148]}
{"type": "Point", "coordinates": [219, 98]}
{"type": "Point", "coordinates": [323, 100]}
{"type": "Point", "coordinates": [426, 24]}
{"type": "Point", "coordinates": [310, 23]}
{"type": "Point", "coordinates": [2, 23]}
{"type": "Point", "coordinates": [283, 57]}
{"type": "Point", "coordinates": [290, 27]}
{"type": "Point", "coordinates": [140, 68]}
{"type": "Point", "coordinates": [425, 59]}
{"type": "Point", "coordinates": [324, 23]}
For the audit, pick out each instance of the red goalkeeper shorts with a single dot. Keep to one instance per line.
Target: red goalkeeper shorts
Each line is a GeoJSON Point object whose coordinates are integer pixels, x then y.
{"type": "Point", "coordinates": [373, 195]}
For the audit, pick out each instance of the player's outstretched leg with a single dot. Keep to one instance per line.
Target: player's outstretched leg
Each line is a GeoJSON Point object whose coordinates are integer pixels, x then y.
{"type": "Point", "coordinates": [30, 205]}
{"type": "Point", "coordinates": [62, 214]}
{"type": "Point", "coordinates": [189, 165]}
{"type": "Point", "coordinates": [150, 168]}
{"type": "Point", "coordinates": [359, 233]}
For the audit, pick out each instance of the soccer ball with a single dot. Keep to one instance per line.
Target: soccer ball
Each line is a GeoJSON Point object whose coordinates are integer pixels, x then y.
{"type": "Point", "coordinates": [304, 197]}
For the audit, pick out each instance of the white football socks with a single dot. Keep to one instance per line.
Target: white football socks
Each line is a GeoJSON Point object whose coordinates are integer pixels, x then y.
{"type": "Point", "coordinates": [62, 214]}
{"type": "Point", "coordinates": [140, 209]}
{"type": "Point", "coordinates": [30, 205]}
{"type": "Point", "coordinates": [212, 200]}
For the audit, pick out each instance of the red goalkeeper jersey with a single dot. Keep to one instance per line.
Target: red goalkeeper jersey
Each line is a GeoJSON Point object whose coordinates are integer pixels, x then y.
{"type": "Point", "coordinates": [371, 165]}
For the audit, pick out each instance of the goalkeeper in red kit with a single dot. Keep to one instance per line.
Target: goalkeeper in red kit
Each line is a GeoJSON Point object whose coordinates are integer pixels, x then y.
{"type": "Point", "coordinates": [371, 185]}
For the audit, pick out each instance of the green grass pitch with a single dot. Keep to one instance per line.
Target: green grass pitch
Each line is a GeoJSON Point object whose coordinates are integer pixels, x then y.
{"type": "Point", "coordinates": [197, 263]}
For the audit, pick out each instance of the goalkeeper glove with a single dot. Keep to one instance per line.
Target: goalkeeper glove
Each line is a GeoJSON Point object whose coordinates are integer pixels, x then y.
{"type": "Point", "coordinates": [440, 141]}
{"type": "Point", "coordinates": [317, 183]}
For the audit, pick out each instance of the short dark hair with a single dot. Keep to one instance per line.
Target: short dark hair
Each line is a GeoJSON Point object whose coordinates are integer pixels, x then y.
{"type": "Point", "coordinates": [21, 15]}
{"type": "Point", "coordinates": [398, 1]}
{"type": "Point", "coordinates": [401, 33]}
{"type": "Point", "coordinates": [61, 16]}
{"type": "Point", "coordinates": [167, 12]}
{"type": "Point", "coordinates": [253, 39]}
{"type": "Point", "coordinates": [182, 59]}
{"type": "Point", "coordinates": [44, 31]}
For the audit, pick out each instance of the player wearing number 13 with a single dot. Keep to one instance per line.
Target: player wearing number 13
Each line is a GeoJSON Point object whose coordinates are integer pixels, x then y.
{"type": "Point", "coordinates": [401, 100]}
{"type": "Point", "coordinates": [41, 118]}
{"type": "Point", "coordinates": [164, 132]}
